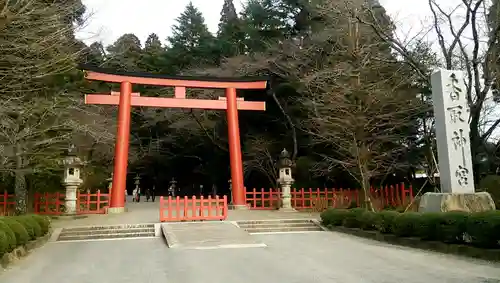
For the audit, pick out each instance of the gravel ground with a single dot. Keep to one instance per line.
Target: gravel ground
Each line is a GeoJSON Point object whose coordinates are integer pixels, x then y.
{"type": "Point", "coordinates": [311, 257]}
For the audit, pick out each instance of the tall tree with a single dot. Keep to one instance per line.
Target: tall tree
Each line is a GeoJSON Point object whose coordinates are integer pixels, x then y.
{"type": "Point", "coordinates": [266, 22]}
{"type": "Point", "coordinates": [94, 54]}
{"type": "Point", "coordinates": [153, 57]}
{"type": "Point", "coordinates": [191, 42]}
{"type": "Point", "coordinates": [125, 53]}
{"type": "Point", "coordinates": [37, 50]}
{"type": "Point", "coordinates": [230, 34]}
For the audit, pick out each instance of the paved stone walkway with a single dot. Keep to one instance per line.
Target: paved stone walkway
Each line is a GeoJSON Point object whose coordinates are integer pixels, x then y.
{"type": "Point", "coordinates": [207, 235]}
{"type": "Point", "coordinates": [316, 257]}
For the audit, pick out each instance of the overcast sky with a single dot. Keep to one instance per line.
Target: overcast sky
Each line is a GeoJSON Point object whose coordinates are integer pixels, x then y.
{"type": "Point", "coordinates": [109, 19]}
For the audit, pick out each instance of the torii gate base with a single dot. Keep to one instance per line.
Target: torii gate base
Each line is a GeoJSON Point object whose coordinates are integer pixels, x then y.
{"type": "Point", "coordinates": [125, 99]}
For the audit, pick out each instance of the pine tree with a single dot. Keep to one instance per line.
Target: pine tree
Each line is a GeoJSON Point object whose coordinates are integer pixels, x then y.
{"type": "Point", "coordinates": [125, 54]}
{"type": "Point", "coordinates": [191, 42]}
{"type": "Point", "coordinates": [94, 54]}
{"type": "Point", "coordinates": [265, 22]}
{"type": "Point", "coordinates": [230, 35]}
{"type": "Point", "coordinates": [153, 55]}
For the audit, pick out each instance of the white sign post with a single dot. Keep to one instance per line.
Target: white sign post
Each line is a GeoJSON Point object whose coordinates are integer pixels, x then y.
{"type": "Point", "coordinates": [452, 131]}
{"type": "Point", "coordinates": [451, 112]}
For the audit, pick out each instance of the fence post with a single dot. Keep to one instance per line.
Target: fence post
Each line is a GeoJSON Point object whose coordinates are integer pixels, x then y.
{"type": "Point", "coordinates": [46, 202]}
{"type": "Point", "coordinates": [193, 206]}
{"type": "Point", "coordinates": [210, 205]}
{"type": "Point", "coordinates": [98, 200]}
{"type": "Point", "coordinates": [403, 194]}
{"type": "Point", "coordinates": [87, 201]}
{"type": "Point", "coordinates": [58, 203]}
{"type": "Point", "coordinates": [201, 207]}
{"type": "Point", "coordinates": [262, 198]}
{"type": "Point", "coordinates": [411, 192]}
{"type": "Point", "coordinates": [225, 209]}
{"type": "Point", "coordinates": [186, 202]}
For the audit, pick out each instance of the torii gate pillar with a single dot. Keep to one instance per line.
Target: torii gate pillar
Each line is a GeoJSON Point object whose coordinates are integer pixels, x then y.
{"type": "Point", "coordinates": [117, 201]}
{"type": "Point", "coordinates": [238, 192]}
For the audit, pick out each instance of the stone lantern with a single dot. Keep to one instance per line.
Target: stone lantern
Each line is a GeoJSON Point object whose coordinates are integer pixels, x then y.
{"type": "Point", "coordinates": [72, 169]}
{"type": "Point", "coordinates": [285, 180]}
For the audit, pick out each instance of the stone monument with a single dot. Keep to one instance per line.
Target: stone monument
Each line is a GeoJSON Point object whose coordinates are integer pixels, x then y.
{"type": "Point", "coordinates": [451, 113]}
{"type": "Point", "coordinates": [72, 165]}
{"type": "Point", "coordinates": [285, 180]}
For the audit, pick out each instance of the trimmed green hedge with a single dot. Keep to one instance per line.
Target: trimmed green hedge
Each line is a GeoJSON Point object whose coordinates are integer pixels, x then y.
{"type": "Point", "coordinates": [19, 230]}
{"type": "Point", "coordinates": [476, 229]}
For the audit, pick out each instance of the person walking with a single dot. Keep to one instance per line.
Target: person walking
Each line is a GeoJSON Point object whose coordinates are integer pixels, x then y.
{"type": "Point", "coordinates": [171, 190]}
{"type": "Point", "coordinates": [134, 195]}
{"type": "Point", "coordinates": [153, 194]}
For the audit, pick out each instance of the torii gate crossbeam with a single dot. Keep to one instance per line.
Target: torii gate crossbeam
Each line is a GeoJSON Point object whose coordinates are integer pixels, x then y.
{"type": "Point", "coordinates": [125, 99]}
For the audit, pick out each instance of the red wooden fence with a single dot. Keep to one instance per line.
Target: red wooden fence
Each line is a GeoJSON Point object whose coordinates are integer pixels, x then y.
{"type": "Point", "coordinates": [7, 203]}
{"type": "Point", "coordinates": [53, 203]}
{"type": "Point", "coordinates": [307, 198]}
{"type": "Point", "coordinates": [192, 209]}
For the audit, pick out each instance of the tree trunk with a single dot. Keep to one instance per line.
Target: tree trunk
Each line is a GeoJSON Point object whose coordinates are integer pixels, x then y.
{"type": "Point", "coordinates": [367, 201]}
{"type": "Point", "coordinates": [20, 182]}
{"type": "Point", "coordinates": [475, 145]}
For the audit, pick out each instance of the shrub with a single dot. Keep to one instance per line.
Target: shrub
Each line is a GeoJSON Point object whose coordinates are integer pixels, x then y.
{"type": "Point", "coordinates": [33, 228]}
{"type": "Point", "coordinates": [484, 229]}
{"type": "Point", "coordinates": [11, 237]}
{"type": "Point", "coordinates": [22, 236]}
{"type": "Point", "coordinates": [385, 221]}
{"type": "Point", "coordinates": [406, 224]}
{"type": "Point", "coordinates": [369, 220]}
{"type": "Point", "coordinates": [353, 218]}
{"type": "Point", "coordinates": [4, 243]}
{"type": "Point", "coordinates": [430, 224]}
{"type": "Point", "coordinates": [334, 217]}
{"type": "Point", "coordinates": [43, 221]}
{"type": "Point", "coordinates": [452, 226]}
{"type": "Point", "coordinates": [353, 204]}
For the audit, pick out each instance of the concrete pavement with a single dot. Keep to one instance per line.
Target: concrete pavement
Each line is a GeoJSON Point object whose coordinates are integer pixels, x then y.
{"type": "Point", "coordinates": [312, 257]}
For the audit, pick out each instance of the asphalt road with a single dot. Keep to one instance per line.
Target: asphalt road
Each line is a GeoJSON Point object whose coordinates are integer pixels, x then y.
{"type": "Point", "coordinates": [313, 257]}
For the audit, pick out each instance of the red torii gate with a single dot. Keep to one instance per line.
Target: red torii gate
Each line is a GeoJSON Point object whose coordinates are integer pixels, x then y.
{"type": "Point", "coordinates": [125, 99]}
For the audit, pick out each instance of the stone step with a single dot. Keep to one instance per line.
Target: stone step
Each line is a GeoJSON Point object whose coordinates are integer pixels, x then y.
{"type": "Point", "coordinates": [106, 231]}
{"type": "Point", "coordinates": [247, 222]}
{"type": "Point", "coordinates": [105, 236]}
{"type": "Point", "coordinates": [110, 227]}
{"type": "Point", "coordinates": [277, 225]}
{"type": "Point", "coordinates": [284, 229]}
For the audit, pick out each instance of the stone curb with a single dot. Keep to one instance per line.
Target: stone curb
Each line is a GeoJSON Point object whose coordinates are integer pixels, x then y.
{"type": "Point", "coordinates": [23, 251]}
{"type": "Point", "coordinates": [455, 249]}
{"type": "Point", "coordinates": [170, 238]}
